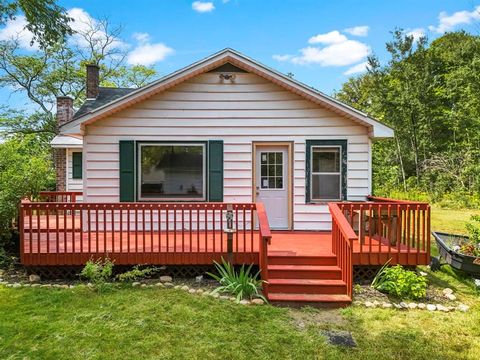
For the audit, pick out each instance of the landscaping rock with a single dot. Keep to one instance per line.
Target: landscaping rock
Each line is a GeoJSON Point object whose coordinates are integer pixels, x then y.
{"type": "Point", "coordinates": [192, 291]}
{"type": "Point", "coordinates": [431, 307]}
{"type": "Point", "coordinates": [36, 285]}
{"type": "Point", "coordinates": [423, 273]}
{"type": "Point", "coordinates": [451, 297]}
{"type": "Point", "coordinates": [16, 285]}
{"type": "Point", "coordinates": [165, 279]}
{"type": "Point", "coordinates": [159, 285]}
{"type": "Point", "coordinates": [244, 302]}
{"type": "Point", "coordinates": [463, 307]}
{"type": "Point", "coordinates": [369, 304]}
{"type": "Point", "coordinates": [199, 278]}
{"type": "Point", "coordinates": [422, 306]}
{"type": "Point", "coordinates": [386, 305]}
{"type": "Point", "coordinates": [403, 305]}
{"type": "Point", "coordinates": [34, 278]}
{"type": "Point", "coordinates": [224, 297]}
{"type": "Point", "coordinates": [215, 295]}
{"type": "Point", "coordinates": [397, 306]}
{"type": "Point", "coordinates": [185, 288]}
{"type": "Point", "coordinates": [136, 283]}
{"type": "Point", "coordinates": [200, 291]}
{"type": "Point", "coordinates": [257, 302]}
{"type": "Point", "coordinates": [169, 285]}
{"type": "Point", "coordinates": [412, 305]}
{"type": "Point", "coordinates": [447, 291]}
{"type": "Point", "coordinates": [143, 285]}
{"type": "Point", "coordinates": [442, 308]}
{"type": "Point", "coordinates": [477, 282]}
{"type": "Point", "coordinates": [176, 287]}
{"type": "Point", "coordinates": [340, 338]}
{"type": "Point", "coordinates": [46, 285]}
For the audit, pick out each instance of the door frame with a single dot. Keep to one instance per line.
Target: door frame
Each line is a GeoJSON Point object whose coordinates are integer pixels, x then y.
{"type": "Point", "coordinates": [289, 146]}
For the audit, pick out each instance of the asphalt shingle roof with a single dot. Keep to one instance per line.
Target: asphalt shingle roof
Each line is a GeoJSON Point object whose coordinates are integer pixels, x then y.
{"type": "Point", "coordinates": [105, 96]}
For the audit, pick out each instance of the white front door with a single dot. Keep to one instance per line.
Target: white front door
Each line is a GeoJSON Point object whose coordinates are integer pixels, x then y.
{"type": "Point", "coordinates": [271, 183]}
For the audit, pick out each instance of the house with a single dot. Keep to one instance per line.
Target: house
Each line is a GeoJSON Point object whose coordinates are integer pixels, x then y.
{"type": "Point", "coordinates": [205, 162]}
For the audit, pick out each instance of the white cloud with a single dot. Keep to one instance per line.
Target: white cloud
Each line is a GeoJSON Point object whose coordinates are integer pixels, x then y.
{"type": "Point", "coordinates": [417, 33]}
{"type": "Point", "coordinates": [203, 7]}
{"type": "Point", "coordinates": [449, 22]}
{"type": "Point", "coordinates": [15, 30]}
{"type": "Point", "coordinates": [332, 37]}
{"type": "Point", "coordinates": [141, 37]}
{"type": "Point", "coordinates": [341, 54]}
{"type": "Point", "coordinates": [282, 57]}
{"type": "Point", "coordinates": [148, 54]}
{"type": "Point", "coordinates": [358, 30]}
{"type": "Point", "coordinates": [356, 69]}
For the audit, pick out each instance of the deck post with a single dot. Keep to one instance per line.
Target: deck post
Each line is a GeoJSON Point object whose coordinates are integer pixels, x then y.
{"type": "Point", "coordinates": [229, 231]}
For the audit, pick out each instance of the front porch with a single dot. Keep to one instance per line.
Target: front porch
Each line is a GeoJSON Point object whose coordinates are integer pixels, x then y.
{"type": "Point", "coordinates": [294, 263]}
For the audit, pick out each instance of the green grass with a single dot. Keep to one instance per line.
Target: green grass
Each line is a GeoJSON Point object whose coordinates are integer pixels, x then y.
{"type": "Point", "coordinates": [451, 221]}
{"type": "Point", "coordinates": [136, 323]}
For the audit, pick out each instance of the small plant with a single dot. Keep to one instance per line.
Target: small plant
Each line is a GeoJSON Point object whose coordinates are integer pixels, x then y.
{"type": "Point", "coordinates": [242, 284]}
{"type": "Point", "coordinates": [98, 272]}
{"type": "Point", "coordinates": [471, 247]}
{"type": "Point", "coordinates": [397, 281]}
{"type": "Point", "coordinates": [137, 273]}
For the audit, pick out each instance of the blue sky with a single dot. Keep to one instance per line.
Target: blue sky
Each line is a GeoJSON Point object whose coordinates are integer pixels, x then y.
{"type": "Point", "coordinates": [320, 42]}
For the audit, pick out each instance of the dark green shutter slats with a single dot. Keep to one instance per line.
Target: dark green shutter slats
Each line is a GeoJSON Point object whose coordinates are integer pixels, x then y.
{"type": "Point", "coordinates": [77, 165]}
{"type": "Point", "coordinates": [215, 170]}
{"type": "Point", "coordinates": [127, 170]}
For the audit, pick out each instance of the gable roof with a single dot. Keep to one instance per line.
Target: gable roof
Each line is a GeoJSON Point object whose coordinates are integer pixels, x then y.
{"type": "Point", "coordinates": [97, 110]}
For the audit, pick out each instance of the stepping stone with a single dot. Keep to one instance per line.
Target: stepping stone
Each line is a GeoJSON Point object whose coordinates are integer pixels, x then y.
{"type": "Point", "coordinates": [340, 338]}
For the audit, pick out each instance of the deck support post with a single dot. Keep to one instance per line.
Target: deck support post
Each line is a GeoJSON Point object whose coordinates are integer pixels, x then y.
{"type": "Point", "coordinates": [229, 231]}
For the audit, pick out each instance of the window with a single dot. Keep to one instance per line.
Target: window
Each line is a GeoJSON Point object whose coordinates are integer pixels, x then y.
{"type": "Point", "coordinates": [326, 170]}
{"type": "Point", "coordinates": [271, 170]}
{"type": "Point", "coordinates": [77, 165]}
{"type": "Point", "coordinates": [172, 171]}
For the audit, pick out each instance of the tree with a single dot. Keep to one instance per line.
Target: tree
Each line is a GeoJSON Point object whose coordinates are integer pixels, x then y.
{"type": "Point", "coordinates": [59, 70]}
{"type": "Point", "coordinates": [429, 94]}
{"type": "Point", "coordinates": [47, 21]}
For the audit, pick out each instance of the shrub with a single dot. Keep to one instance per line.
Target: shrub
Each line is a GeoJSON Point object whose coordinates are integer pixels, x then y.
{"type": "Point", "coordinates": [137, 273]}
{"type": "Point", "coordinates": [242, 284]}
{"type": "Point", "coordinates": [472, 246]}
{"type": "Point", "coordinates": [98, 272]}
{"type": "Point", "coordinates": [397, 281]}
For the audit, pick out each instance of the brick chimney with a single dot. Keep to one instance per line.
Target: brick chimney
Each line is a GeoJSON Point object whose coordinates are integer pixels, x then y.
{"type": "Point", "coordinates": [64, 114]}
{"type": "Point", "coordinates": [64, 110]}
{"type": "Point", "coordinates": [93, 81]}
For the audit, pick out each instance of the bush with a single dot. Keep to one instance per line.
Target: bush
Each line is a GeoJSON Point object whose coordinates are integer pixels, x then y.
{"type": "Point", "coordinates": [471, 247]}
{"type": "Point", "coordinates": [397, 281]}
{"type": "Point", "coordinates": [137, 273]}
{"type": "Point", "coordinates": [243, 285]}
{"type": "Point", "coordinates": [98, 272]}
{"type": "Point", "coordinates": [25, 169]}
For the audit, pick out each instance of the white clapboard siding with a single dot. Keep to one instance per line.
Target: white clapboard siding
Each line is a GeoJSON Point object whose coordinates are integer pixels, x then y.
{"type": "Point", "coordinates": [73, 184]}
{"type": "Point", "coordinates": [251, 109]}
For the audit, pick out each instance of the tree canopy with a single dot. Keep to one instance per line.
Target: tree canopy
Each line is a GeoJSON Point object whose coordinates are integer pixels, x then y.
{"type": "Point", "coordinates": [428, 92]}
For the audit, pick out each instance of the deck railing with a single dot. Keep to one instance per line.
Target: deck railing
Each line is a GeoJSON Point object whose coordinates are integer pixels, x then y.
{"type": "Point", "coordinates": [396, 229]}
{"type": "Point", "coordinates": [264, 238]}
{"type": "Point", "coordinates": [59, 196]}
{"type": "Point", "coordinates": [130, 233]}
{"type": "Point", "coordinates": [342, 244]}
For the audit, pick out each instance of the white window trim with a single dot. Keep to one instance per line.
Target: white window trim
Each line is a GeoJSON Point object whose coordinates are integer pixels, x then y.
{"type": "Point", "coordinates": [312, 148]}
{"type": "Point", "coordinates": [139, 173]}
{"type": "Point", "coordinates": [283, 170]}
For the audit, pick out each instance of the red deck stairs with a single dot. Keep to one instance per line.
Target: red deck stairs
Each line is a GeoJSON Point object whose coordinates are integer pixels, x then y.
{"type": "Point", "coordinates": [306, 280]}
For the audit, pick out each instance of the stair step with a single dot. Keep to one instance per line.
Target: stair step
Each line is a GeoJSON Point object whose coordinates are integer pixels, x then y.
{"type": "Point", "coordinates": [310, 299]}
{"type": "Point", "coordinates": [328, 260]}
{"type": "Point", "coordinates": [307, 286]}
{"type": "Point", "coordinates": [304, 272]}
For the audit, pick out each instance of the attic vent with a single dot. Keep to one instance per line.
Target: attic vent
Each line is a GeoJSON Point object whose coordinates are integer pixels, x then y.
{"type": "Point", "coordinates": [227, 67]}
{"type": "Point", "coordinates": [227, 77]}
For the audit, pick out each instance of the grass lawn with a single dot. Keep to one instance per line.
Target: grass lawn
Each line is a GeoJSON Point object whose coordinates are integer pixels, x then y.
{"type": "Point", "coordinates": [134, 323]}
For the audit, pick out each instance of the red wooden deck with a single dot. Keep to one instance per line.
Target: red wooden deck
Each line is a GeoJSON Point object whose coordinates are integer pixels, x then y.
{"type": "Point", "coordinates": [299, 266]}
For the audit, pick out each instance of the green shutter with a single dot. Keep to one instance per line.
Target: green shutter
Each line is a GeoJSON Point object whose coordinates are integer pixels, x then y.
{"type": "Point", "coordinates": [77, 165]}
{"type": "Point", "coordinates": [127, 170]}
{"type": "Point", "coordinates": [215, 170]}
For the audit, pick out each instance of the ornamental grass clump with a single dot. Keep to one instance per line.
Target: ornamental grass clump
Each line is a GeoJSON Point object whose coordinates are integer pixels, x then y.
{"type": "Point", "coordinates": [401, 283]}
{"type": "Point", "coordinates": [242, 284]}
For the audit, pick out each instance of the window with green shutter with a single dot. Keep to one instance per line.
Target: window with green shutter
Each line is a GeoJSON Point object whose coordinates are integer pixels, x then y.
{"type": "Point", "coordinates": [326, 170]}
{"type": "Point", "coordinates": [77, 170]}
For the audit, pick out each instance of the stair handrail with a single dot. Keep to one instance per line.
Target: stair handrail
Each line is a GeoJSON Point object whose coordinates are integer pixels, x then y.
{"type": "Point", "coordinates": [265, 239]}
{"type": "Point", "coordinates": [343, 236]}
